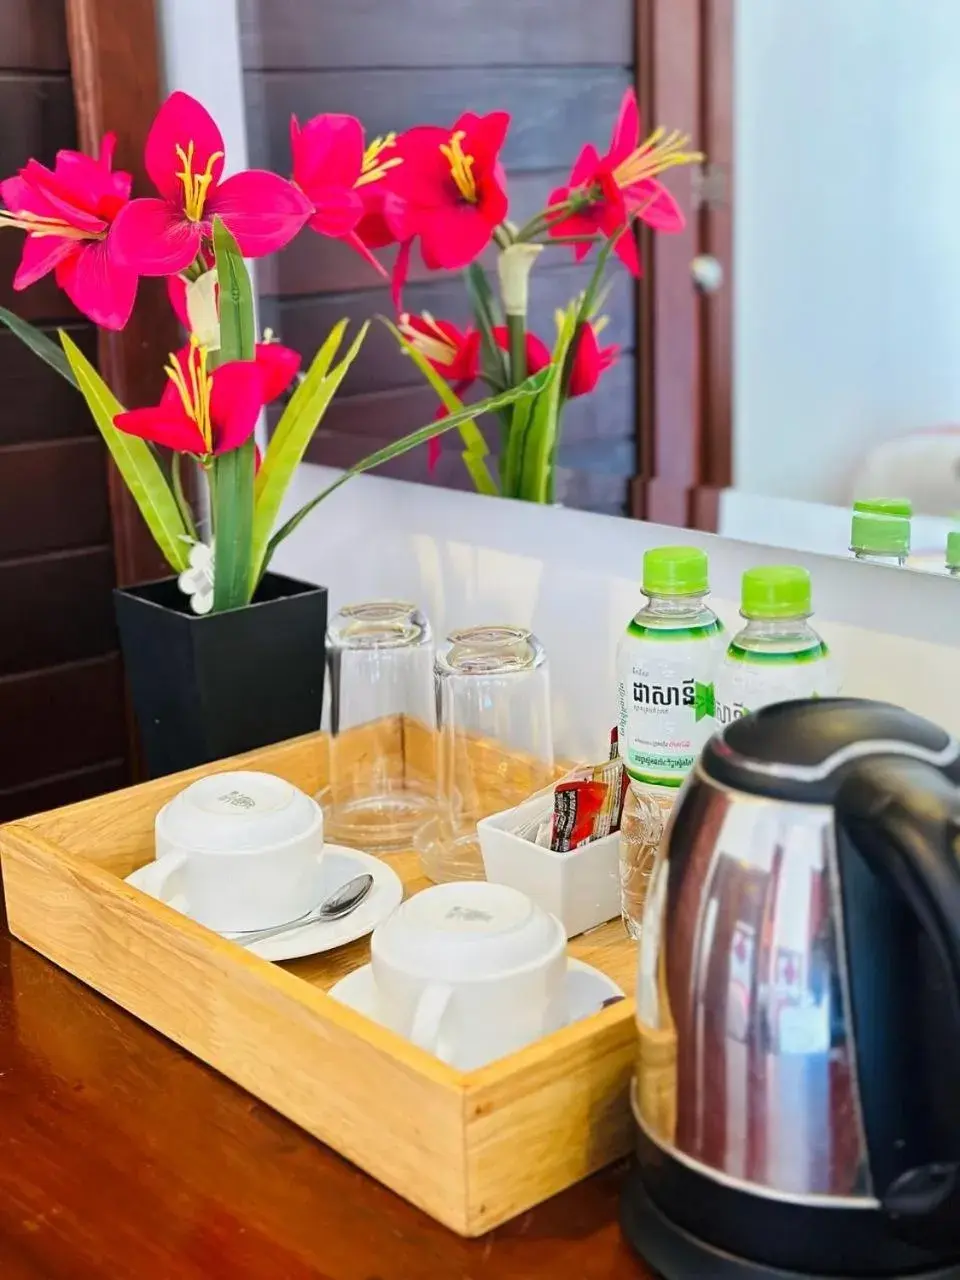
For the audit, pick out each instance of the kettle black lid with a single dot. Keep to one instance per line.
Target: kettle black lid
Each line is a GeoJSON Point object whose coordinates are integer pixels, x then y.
{"type": "Point", "coordinates": [802, 750]}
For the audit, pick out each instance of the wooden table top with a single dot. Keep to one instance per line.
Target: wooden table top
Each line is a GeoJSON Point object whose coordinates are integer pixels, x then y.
{"type": "Point", "coordinates": [122, 1156]}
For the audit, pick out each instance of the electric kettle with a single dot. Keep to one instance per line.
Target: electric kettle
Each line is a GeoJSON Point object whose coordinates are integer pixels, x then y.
{"type": "Point", "coordinates": [797, 1095]}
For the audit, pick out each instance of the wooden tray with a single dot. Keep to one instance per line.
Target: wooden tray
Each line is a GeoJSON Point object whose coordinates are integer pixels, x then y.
{"type": "Point", "coordinates": [470, 1148]}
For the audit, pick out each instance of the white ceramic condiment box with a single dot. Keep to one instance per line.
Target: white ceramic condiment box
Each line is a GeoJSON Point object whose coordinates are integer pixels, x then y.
{"type": "Point", "coordinates": [581, 888]}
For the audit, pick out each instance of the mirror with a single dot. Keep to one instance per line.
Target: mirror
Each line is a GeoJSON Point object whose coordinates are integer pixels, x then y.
{"type": "Point", "coordinates": [846, 269]}
{"type": "Point", "coordinates": [793, 349]}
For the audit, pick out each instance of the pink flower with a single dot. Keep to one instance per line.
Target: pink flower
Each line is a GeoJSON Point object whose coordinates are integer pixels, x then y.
{"type": "Point", "coordinates": [590, 362]}
{"type": "Point", "coordinates": [455, 186]}
{"type": "Point", "coordinates": [184, 157]}
{"type": "Point", "coordinates": [69, 217]}
{"type": "Point", "coordinates": [207, 411]}
{"type": "Point", "coordinates": [347, 182]}
{"type": "Point", "coordinates": [606, 191]}
{"type": "Point", "coordinates": [453, 352]}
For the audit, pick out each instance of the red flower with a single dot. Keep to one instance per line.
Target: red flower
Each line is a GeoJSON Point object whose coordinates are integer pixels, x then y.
{"type": "Point", "coordinates": [204, 411]}
{"type": "Point", "coordinates": [607, 190]}
{"type": "Point", "coordinates": [68, 215]}
{"type": "Point", "coordinates": [453, 352]}
{"type": "Point", "coordinates": [346, 182]}
{"type": "Point", "coordinates": [590, 360]}
{"type": "Point", "coordinates": [451, 183]}
{"type": "Point", "coordinates": [184, 157]}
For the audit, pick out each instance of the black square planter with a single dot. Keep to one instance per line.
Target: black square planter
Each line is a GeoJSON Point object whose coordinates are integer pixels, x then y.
{"type": "Point", "coordinates": [205, 687]}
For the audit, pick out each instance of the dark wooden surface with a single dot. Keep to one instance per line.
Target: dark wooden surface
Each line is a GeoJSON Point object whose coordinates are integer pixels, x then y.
{"type": "Point", "coordinates": [560, 67]}
{"type": "Point", "coordinates": [124, 1158]}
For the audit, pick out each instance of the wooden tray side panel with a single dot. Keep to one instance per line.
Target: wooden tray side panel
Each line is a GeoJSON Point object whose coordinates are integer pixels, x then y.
{"type": "Point", "coordinates": [387, 1107]}
{"type": "Point", "coordinates": [551, 1115]}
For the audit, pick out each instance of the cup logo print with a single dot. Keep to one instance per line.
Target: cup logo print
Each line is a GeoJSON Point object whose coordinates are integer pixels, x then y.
{"type": "Point", "coordinates": [237, 800]}
{"type": "Point", "coordinates": [472, 915]}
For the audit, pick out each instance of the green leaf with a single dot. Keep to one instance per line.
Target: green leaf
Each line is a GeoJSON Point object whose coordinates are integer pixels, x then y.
{"type": "Point", "coordinates": [539, 446]}
{"type": "Point", "coordinates": [135, 461]}
{"type": "Point", "coordinates": [476, 447]}
{"type": "Point", "coordinates": [292, 435]}
{"type": "Point", "coordinates": [486, 311]}
{"type": "Point", "coordinates": [233, 527]}
{"type": "Point", "coordinates": [233, 471]}
{"type": "Point", "coordinates": [238, 334]}
{"type": "Point", "coordinates": [39, 344]}
{"type": "Point", "coordinates": [516, 440]}
{"type": "Point", "coordinates": [704, 700]}
{"type": "Point", "coordinates": [530, 387]}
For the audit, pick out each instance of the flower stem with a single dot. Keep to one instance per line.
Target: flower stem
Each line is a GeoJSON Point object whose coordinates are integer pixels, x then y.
{"type": "Point", "coordinates": [570, 240]}
{"type": "Point", "coordinates": [502, 236]}
{"type": "Point", "coordinates": [181, 497]}
{"type": "Point", "coordinates": [518, 349]}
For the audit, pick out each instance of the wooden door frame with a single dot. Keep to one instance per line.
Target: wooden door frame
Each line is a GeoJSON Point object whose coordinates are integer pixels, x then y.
{"type": "Point", "coordinates": [116, 70]}
{"type": "Point", "coordinates": [684, 59]}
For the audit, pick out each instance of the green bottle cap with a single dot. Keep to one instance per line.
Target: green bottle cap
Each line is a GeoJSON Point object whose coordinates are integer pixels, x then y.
{"type": "Point", "coordinates": [953, 550]}
{"type": "Point", "coordinates": [775, 591]}
{"type": "Point", "coordinates": [873, 533]}
{"type": "Point", "coordinates": [675, 571]}
{"type": "Point", "coordinates": [885, 507]}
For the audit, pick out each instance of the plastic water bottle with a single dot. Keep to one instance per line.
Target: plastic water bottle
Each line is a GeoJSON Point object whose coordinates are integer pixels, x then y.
{"type": "Point", "coordinates": [777, 656]}
{"type": "Point", "coordinates": [666, 664]}
{"type": "Point", "coordinates": [880, 530]}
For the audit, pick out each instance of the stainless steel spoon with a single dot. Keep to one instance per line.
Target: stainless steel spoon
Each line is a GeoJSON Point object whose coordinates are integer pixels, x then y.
{"type": "Point", "coordinates": [339, 904]}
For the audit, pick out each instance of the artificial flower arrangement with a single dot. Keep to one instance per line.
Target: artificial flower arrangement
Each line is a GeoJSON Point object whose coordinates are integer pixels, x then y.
{"type": "Point", "coordinates": [440, 188]}
{"type": "Point", "coordinates": [82, 224]}
{"type": "Point", "coordinates": [448, 193]}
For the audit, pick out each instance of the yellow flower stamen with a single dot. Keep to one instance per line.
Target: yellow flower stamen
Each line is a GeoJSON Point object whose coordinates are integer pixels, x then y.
{"type": "Point", "coordinates": [373, 167]}
{"type": "Point", "coordinates": [660, 151]}
{"type": "Point", "coordinates": [195, 388]}
{"type": "Point", "coordinates": [195, 185]}
{"type": "Point", "coordinates": [461, 166]}
{"type": "Point", "coordinates": [435, 345]}
{"type": "Point", "coordinates": [38, 225]}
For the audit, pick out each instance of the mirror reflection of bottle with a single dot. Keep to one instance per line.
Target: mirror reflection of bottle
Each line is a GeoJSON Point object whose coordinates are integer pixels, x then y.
{"type": "Point", "coordinates": [777, 656]}
{"type": "Point", "coordinates": [880, 530]}
{"type": "Point", "coordinates": [953, 554]}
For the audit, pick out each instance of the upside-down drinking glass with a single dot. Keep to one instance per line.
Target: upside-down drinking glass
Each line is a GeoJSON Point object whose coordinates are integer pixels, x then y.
{"type": "Point", "coordinates": [382, 725]}
{"type": "Point", "coordinates": [495, 740]}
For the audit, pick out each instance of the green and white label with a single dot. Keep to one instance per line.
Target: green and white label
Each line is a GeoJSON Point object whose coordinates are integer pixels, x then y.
{"type": "Point", "coordinates": [665, 690]}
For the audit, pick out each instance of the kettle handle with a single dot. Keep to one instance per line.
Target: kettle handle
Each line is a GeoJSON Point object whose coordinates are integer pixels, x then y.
{"type": "Point", "coordinates": [902, 817]}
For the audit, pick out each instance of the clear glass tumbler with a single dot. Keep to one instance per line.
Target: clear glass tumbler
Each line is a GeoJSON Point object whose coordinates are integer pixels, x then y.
{"type": "Point", "coordinates": [495, 740]}
{"type": "Point", "coordinates": [382, 778]}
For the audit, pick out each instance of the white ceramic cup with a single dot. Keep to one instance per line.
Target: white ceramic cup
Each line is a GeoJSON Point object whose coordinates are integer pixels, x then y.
{"type": "Point", "coordinates": [251, 846]}
{"type": "Point", "coordinates": [470, 971]}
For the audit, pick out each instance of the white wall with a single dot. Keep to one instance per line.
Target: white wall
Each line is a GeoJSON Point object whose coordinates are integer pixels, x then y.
{"type": "Point", "coordinates": [847, 234]}
{"type": "Point", "coordinates": [573, 578]}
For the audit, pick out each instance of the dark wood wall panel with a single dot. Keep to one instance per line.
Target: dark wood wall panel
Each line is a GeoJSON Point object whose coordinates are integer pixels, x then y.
{"type": "Point", "coordinates": [36, 403]}
{"type": "Point", "coordinates": [33, 36]}
{"type": "Point", "coordinates": [64, 609]}
{"type": "Point", "coordinates": [38, 118]}
{"type": "Point", "coordinates": [553, 108]}
{"type": "Point", "coordinates": [560, 67]}
{"type": "Point", "coordinates": [65, 788]}
{"type": "Point", "coordinates": [61, 694]}
{"type": "Point", "coordinates": [435, 33]}
{"type": "Point", "coordinates": [62, 719]}
{"type": "Point", "coordinates": [398, 411]}
{"type": "Point", "coordinates": [382, 364]}
{"type": "Point", "coordinates": [53, 496]}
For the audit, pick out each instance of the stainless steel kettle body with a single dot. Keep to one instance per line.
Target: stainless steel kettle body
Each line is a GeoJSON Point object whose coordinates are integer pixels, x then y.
{"type": "Point", "coordinates": [797, 1092]}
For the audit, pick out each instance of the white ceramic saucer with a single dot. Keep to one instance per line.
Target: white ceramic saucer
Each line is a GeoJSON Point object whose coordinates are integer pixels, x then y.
{"type": "Point", "coordinates": [163, 880]}
{"type": "Point", "coordinates": [587, 991]}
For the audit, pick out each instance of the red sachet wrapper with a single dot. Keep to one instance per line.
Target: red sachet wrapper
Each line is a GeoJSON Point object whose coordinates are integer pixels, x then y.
{"type": "Point", "coordinates": [576, 808]}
